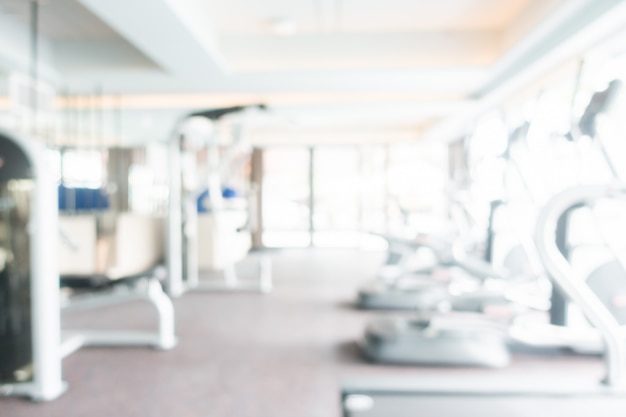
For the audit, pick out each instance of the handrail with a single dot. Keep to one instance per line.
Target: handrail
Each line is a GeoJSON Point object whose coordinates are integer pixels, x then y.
{"type": "Point", "coordinates": [574, 286]}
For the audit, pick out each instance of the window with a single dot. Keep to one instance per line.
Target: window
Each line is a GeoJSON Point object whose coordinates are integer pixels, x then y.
{"type": "Point", "coordinates": [286, 197]}
{"type": "Point", "coordinates": [83, 169]}
{"type": "Point", "coordinates": [354, 190]}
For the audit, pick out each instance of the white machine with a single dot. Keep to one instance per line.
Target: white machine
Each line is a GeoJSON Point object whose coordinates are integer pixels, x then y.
{"type": "Point", "coordinates": [487, 394]}
{"type": "Point", "coordinates": [32, 344]}
{"type": "Point", "coordinates": [217, 239]}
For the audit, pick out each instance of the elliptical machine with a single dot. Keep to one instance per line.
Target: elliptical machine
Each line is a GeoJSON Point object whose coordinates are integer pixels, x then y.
{"type": "Point", "coordinates": [480, 340]}
{"type": "Point", "coordinates": [458, 280]}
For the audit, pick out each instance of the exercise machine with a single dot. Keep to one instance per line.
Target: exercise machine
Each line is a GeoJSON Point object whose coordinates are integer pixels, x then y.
{"type": "Point", "coordinates": [400, 340]}
{"type": "Point", "coordinates": [29, 286]}
{"type": "Point", "coordinates": [32, 344]}
{"type": "Point", "coordinates": [456, 279]}
{"type": "Point", "coordinates": [499, 395]}
{"type": "Point", "coordinates": [217, 238]}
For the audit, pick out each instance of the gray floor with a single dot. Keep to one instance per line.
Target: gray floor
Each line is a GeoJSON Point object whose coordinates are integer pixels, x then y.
{"type": "Point", "coordinates": [246, 355]}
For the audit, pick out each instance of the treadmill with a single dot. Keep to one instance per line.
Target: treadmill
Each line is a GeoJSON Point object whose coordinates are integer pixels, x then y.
{"type": "Point", "coordinates": [525, 391]}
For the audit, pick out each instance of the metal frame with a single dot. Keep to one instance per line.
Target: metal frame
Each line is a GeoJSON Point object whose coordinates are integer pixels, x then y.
{"type": "Point", "coordinates": [573, 285]}
{"type": "Point", "coordinates": [357, 396]}
{"type": "Point", "coordinates": [148, 289]}
{"type": "Point", "coordinates": [386, 292]}
{"type": "Point", "coordinates": [47, 383]}
{"type": "Point", "coordinates": [174, 233]}
{"type": "Point", "coordinates": [180, 281]}
{"type": "Point", "coordinates": [48, 347]}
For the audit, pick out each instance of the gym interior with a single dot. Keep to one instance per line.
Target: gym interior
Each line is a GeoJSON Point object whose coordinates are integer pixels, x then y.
{"type": "Point", "coordinates": [312, 208]}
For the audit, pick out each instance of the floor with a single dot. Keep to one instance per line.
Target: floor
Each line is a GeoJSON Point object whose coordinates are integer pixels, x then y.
{"type": "Point", "coordinates": [243, 355]}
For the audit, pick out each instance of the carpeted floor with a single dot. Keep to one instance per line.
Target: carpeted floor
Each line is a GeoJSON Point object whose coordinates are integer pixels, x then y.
{"type": "Point", "coordinates": [241, 355]}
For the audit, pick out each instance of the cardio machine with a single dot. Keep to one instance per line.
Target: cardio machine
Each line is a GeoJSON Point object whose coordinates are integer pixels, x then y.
{"type": "Point", "coordinates": [457, 280]}
{"type": "Point", "coordinates": [518, 395]}
{"type": "Point", "coordinates": [478, 340]}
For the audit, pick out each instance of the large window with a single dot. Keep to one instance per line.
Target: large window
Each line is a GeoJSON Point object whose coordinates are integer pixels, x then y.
{"type": "Point", "coordinates": [148, 182]}
{"type": "Point", "coordinates": [333, 196]}
{"type": "Point", "coordinates": [83, 168]}
{"type": "Point", "coordinates": [416, 184]}
{"type": "Point", "coordinates": [286, 197]}
{"type": "Point", "coordinates": [336, 192]}
{"type": "Point", "coordinates": [374, 189]}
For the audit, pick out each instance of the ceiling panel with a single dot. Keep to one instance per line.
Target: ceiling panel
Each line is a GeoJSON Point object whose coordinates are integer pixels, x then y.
{"type": "Point", "coordinates": [256, 17]}
{"type": "Point", "coordinates": [60, 19]}
{"type": "Point", "coordinates": [356, 16]}
{"type": "Point", "coordinates": [352, 51]}
{"type": "Point", "coordinates": [399, 15]}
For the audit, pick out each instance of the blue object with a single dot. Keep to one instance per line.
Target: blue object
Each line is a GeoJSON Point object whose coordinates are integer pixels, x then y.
{"type": "Point", "coordinates": [82, 199]}
{"type": "Point", "coordinates": [200, 201]}
{"type": "Point", "coordinates": [227, 192]}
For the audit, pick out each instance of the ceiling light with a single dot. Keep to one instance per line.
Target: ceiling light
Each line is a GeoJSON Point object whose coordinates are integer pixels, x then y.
{"type": "Point", "coordinates": [283, 26]}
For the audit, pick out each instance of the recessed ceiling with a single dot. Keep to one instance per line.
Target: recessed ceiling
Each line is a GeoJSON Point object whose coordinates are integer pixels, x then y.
{"type": "Point", "coordinates": [351, 51]}
{"type": "Point", "coordinates": [362, 16]}
{"type": "Point", "coordinates": [360, 34]}
{"type": "Point", "coordinates": [363, 48]}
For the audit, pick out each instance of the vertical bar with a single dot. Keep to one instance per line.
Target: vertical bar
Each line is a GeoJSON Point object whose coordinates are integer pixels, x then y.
{"type": "Point", "coordinates": [256, 178]}
{"type": "Point", "coordinates": [175, 284]}
{"type": "Point", "coordinates": [100, 116]}
{"type": "Point", "coordinates": [493, 208]}
{"type": "Point", "coordinates": [76, 120]}
{"type": "Point", "coordinates": [45, 287]}
{"type": "Point", "coordinates": [34, 73]}
{"type": "Point", "coordinates": [311, 193]}
{"type": "Point", "coordinates": [93, 144]}
{"type": "Point", "coordinates": [558, 303]}
{"type": "Point", "coordinates": [361, 198]}
{"type": "Point", "coordinates": [34, 70]}
{"type": "Point", "coordinates": [214, 181]}
{"type": "Point", "coordinates": [386, 185]}
{"type": "Point", "coordinates": [118, 119]}
{"type": "Point", "coordinates": [453, 153]}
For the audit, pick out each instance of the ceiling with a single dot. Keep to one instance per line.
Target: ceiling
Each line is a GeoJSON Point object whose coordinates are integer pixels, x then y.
{"type": "Point", "coordinates": [60, 19]}
{"type": "Point", "coordinates": [320, 64]}
{"type": "Point", "coordinates": [237, 17]}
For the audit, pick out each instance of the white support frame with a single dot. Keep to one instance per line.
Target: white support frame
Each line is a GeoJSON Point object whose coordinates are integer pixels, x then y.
{"type": "Point", "coordinates": [47, 383]}
{"type": "Point", "coordinates": [174, 233]}
{"type": "Point", "coordinates": [47, 345]}
{"type": "Point", "coordinates": [148, 290]}
{"type": "Point", "coordinates": [568, 279]}
{"type": "Point", "coordinates": [177, 281]}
